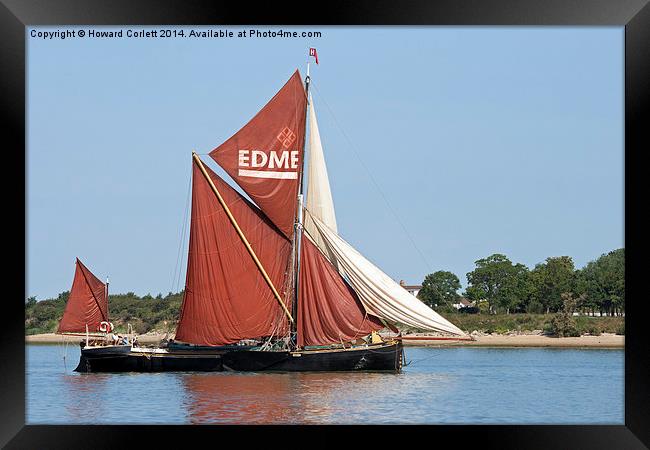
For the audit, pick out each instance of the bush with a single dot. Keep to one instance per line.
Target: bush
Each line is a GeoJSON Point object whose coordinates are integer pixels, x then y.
{"type": "Point", "coordinates": [592, 330]}
{"type": "Point", "coordinates": [141, 327]}
{"type": "Point", "coordinates": [535, 307]}
{"type": "Point", "coordinates": [563, 325]}
{"type": "Point", "coordinates": [548, 328]}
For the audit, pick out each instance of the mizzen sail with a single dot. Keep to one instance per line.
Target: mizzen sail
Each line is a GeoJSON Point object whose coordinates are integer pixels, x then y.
{"type": "Point", "coordinates": [265, 156]}
{"type": "Point", "coordinates": [87, 304]}
{"type": "Point", "coordinates": [226, 298]}
{"type": "Point", "coordinates": [380, 295]}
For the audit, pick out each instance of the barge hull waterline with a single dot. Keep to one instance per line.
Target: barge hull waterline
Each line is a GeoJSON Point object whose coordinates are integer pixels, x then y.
{"type": "Point", "coordinates": [379, 358]}
{"type": "Point", "coordinates": [368, 359]}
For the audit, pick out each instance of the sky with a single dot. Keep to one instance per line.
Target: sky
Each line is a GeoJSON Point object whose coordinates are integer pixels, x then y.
{"type": "Point", "coordinates": [444, 145]}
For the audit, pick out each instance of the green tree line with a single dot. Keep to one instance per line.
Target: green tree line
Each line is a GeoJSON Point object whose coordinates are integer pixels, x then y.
{"type": "Point", "coordinates": [497, 285]}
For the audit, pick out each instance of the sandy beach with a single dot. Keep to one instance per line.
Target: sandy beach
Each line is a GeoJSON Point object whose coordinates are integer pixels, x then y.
{"type": "Point", "coordinates": [52, 338]}
{"type": "Point", "coordinates": [605, 340]}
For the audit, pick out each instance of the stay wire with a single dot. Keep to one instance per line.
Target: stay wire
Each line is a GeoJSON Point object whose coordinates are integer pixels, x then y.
{"type": "Point", "coordinates": [176, 276]}
{"type": "Point", "coordinates": [352, 147]}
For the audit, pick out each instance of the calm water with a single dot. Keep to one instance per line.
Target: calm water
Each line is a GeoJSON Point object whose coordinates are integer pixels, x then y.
{"type": "Point", "coordinates": [441, 385]}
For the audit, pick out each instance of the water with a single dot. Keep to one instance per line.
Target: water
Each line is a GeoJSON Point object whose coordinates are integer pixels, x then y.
{"type": "Point", "coordinates": [458, 385]}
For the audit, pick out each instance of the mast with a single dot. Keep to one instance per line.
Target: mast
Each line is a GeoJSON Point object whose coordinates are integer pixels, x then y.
{"type": "Point", "coordinates": [106, 297]}
{"type": "Point", "coordinates": [297, 235]}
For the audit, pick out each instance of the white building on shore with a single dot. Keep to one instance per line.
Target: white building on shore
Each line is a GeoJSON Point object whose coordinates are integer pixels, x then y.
{"type": "Point", "coordinates": [412, 288]}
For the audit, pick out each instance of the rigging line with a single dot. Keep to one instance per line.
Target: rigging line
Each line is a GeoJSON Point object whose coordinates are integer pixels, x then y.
{"type": "Point", "coordinates": [180, 243]}
{"type": "Point", "coordinates": [415, 361]}
{"type": "Point", "coordinates": [321, 97]}
{"type": "Point", "coordinates": [185, 232]}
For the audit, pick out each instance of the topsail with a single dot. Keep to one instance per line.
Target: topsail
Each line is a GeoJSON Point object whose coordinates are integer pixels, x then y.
{"type": "Point", "coordinates": [319, 195]}
{"type": "Point", "coordinates": [265, 156]}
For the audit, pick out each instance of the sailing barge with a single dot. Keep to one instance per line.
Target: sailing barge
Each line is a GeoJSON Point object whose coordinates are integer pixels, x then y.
{"type": "Point", "coordinates": [275, 270]}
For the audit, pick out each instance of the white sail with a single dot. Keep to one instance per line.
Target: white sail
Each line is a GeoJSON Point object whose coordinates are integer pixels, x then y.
{"type": "Point", "coordinates": [379, 294]}
{"type": "Point", "coordinates": [319, 196]}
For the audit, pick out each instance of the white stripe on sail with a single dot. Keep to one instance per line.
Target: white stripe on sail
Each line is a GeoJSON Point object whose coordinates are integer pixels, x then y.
{"type": "Point", "coordinates": [268, 174]}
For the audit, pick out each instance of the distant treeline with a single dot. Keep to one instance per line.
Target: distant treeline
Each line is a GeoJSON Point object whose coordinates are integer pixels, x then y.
{"type": "Point", "coordinates": [497, 285]}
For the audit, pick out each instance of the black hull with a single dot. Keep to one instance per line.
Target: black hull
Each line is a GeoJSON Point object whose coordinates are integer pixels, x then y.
{"type": "Point", "coordinates": [383, 357]}
{"type": "Point", "coordinates": [135, 361]}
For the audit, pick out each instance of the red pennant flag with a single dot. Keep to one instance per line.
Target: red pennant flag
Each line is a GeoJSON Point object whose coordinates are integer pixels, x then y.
{"type": "Point", "coordinates": [312, 52]}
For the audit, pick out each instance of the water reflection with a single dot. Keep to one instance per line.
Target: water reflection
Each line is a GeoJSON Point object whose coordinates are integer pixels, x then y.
{"type": "Point", "coordinates": [84, 395]}
{"type": "Point", "coordinates": [239, 398]}
{"type": "Point", "coordinates": [299, 398]}
{"type": "Point", "coordinates": [462, 385]}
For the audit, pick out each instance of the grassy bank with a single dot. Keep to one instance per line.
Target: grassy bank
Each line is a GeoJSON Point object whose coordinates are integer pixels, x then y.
{"type": "Point", "coordinates": [160, 314]}
{"type": "Point", "coordinates": [505, 323]}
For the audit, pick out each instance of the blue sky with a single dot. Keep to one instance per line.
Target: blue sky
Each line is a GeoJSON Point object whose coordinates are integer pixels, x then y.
{"type": "Point", "coordinates": [480, 139]}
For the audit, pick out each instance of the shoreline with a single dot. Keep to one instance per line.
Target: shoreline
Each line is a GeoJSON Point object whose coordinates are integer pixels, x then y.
{"type": "Point", "coordinates": [605, 340]}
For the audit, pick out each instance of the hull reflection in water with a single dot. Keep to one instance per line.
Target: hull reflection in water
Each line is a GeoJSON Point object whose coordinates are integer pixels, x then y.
{"type": "Point", "coordinates": [239, 398]}
{"type": "Point", "coordinates": [282, 398]}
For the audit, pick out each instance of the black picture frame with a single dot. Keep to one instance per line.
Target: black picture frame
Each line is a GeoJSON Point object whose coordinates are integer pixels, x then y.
{"type": "Point", "coordinates": [16, 15]}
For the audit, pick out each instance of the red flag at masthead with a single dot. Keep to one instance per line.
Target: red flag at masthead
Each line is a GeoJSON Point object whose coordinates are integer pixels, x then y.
{"type": "Point", "coordinates": [312, 52]}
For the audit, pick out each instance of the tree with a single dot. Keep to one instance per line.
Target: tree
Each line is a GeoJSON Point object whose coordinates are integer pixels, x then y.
{"type": "Point", "coordinates": [603, 283]}
{"type": "Point", "coordinates": [550, 279]}
{"type": "Point", "coordinates": [440, 289]}
{"type": "Point", "coordinates": [520, 288]}
{"type": "Point", "coordinates": [499, 281]}
{"type": "Point", "coordinates": [563, 324]}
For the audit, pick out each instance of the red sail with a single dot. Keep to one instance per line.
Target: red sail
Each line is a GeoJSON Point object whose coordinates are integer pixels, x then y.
{"type": "Point", "coordinates": [87, 303]}
{"type": "Point", "coordinates": [329, 310]}
{"type": "Point", "coordinates": [226, 298]}
{"type": "Point", "coordinates": [265, 156]}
